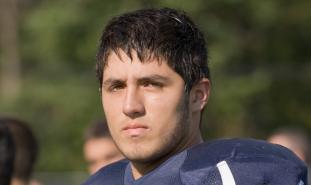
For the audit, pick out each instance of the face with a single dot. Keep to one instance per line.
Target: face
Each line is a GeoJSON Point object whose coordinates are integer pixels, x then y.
{"type": "Point", "coordinates": [99, 152]}
{"type": "Point", "coordinates": [146, 108]}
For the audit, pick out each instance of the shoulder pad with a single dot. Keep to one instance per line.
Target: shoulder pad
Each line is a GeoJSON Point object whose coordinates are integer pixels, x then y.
{"type": "Point", "coordinates": [242, 162]}
{"type": "Point", "coordinates": [112, 174]}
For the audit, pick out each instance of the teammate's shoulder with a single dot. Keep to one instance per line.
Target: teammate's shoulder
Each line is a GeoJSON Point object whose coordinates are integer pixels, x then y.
{"type": "Point", "coordinates": [110, 174]}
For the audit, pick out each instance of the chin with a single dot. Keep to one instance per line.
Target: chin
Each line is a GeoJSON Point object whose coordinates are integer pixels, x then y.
{"type": "Point", "coordinates": [146, 156]}
{"type": "Point", "coordinates": [139, 156]}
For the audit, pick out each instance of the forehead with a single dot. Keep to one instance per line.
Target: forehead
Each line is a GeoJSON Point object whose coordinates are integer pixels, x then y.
{"type": "Point", "coordinates": [120, 63]}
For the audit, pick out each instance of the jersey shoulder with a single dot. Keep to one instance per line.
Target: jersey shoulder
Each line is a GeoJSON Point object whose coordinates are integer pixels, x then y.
{"type": "Point", "coordinates": [111, 174]}
{"type": "Point", "coordinates": [245, 161]}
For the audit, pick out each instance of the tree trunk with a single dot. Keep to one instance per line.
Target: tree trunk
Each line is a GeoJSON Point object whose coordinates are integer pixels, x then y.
{"type": "Point", "coordinates": [9, 54]}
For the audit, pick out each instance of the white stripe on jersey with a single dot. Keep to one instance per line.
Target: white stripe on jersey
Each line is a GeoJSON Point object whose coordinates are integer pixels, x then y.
{"type": "Point", "coordinates": [225, 173]}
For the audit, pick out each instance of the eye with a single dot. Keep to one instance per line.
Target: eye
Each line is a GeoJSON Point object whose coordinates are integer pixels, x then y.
{"type": "Point", "coordinates": [115, 87]}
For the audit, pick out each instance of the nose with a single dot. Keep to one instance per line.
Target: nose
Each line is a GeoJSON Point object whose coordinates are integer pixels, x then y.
{"type": "Point", "coordinates": [133, 105]}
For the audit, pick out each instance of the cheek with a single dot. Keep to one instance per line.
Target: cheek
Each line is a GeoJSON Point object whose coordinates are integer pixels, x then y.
{"type": "Point", "coordinates": [164, 103]}
{"type": "Point", "coordinates": [111, 105]}
{"type": "Point", "coordinates": [165, 110]}
{"type": "Point", "coordinates": [112, 112]}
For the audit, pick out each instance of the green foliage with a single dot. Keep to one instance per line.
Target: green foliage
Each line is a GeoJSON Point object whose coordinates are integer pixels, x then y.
{"type": "Point", "coordinates": [258, 53]}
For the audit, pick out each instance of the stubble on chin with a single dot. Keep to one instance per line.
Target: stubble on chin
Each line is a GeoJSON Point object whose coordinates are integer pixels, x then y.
{"type": "Point", "coordinates": [169, 144]}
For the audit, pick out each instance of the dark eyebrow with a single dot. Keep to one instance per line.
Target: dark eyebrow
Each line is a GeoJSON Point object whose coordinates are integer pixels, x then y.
{"type": "Point", "coordinates": [112, 81]}
{"type": "Point", "coordinates": [158, 78]}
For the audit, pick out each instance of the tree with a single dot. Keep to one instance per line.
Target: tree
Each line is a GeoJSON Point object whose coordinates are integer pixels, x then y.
{"type": "Point", "coordinates": [9, 47]}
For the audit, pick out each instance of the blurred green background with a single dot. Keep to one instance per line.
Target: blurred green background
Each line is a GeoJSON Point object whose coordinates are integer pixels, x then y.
{"type": "Point", "coordinates": [259, 55]}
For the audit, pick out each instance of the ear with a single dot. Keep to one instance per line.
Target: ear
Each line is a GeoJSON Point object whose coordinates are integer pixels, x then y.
{"type": "Point", "coordinates": [199, 95]}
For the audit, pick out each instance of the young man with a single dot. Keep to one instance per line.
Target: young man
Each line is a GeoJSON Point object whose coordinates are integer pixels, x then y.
{"type": "Point", "coordinates": [99, 149]}
{"type": "Point", "coordinates": [154, 81]}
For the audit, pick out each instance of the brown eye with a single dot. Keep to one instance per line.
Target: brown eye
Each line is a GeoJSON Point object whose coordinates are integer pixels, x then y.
{"type": "Point", "coordinates": [115, 87]}
{"type": "Point", "coordinates": [147, 84]}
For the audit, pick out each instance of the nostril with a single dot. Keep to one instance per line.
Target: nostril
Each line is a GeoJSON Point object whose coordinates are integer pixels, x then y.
{"type": "Point", "coordinates": [134, 113]}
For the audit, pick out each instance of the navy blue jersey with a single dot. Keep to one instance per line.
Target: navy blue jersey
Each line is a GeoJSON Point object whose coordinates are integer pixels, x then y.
{"type": "Point", "coordinates": [220, 162]}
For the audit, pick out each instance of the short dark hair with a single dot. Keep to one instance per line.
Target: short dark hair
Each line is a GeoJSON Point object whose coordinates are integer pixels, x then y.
{"type": "Point", "coordinates": [98, 129]}
{"type": "Point", "coordinates": [6, 155]}
{"type": "Point", "coordinates": [161, 33]}
{"type": "Point", "coordinates": [26, 148]}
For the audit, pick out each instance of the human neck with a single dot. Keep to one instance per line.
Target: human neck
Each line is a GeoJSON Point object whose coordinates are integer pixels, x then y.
{"type": "Point", "coordinates": [140, 169]}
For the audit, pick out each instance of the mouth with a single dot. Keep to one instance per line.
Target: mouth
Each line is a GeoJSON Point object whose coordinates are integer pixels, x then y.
{"type": "Point", "coordinates": [135, 130]}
